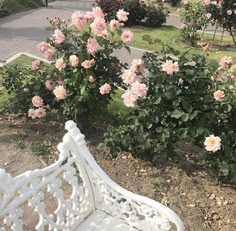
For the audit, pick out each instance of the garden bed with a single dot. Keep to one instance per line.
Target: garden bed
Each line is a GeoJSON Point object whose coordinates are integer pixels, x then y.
{"type": "Point", "coordinates": [185, 186]}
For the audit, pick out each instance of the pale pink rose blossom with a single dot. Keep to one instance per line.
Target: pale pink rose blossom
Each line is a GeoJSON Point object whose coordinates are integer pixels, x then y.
{"type": "Point", "coordinates": [89, 16]}
{"type": "Point", "coordinates": [37, 101]}
{"type": "Point", "coordinates": [226, 61]}
{"type": "Point", "coordinates": [212, 143]}
{"type": "Point", "coordinates": [49, 84]}
{"type": "Point", "coordinates": [36, 65]}
{"type": "Point", "coordinates": [218, 74]}
{"type": "Point", "coordinates": [169, 67]}
{"type": "Point", "coordinates": [207, 2]}
{"type": "Point", "coordinates": [206, 47]}
{"type": "Point", "coordinates": [49, 54]}
{"type": "Point", "coordinates": [137, 65]}
{"type": "Point", "coordinates": [92, 46]}
{"type": "Point", "coordinates": [105, 34]}
{"type": "Point", "coordinates": [40, 112]}
{"type": "Point", "coordinates": [219, 95]}
{"type": "Point", "coordinates": [42, 47]}
{"type": "Point", "coordinates": [208, 15]}
{"type": "Point", "coordinates": [88, 63]}
{"type": "Point", "coordinates": [31, 113]}
{"type": "Point", "coordinates": [55, 21]}
{"type": "Point", "coordinates": [115, 24]}
{"type": "Point", "coordinates": [79, 19]}
{"type": "Point", "coordinates": [58, 37]}
{"type": "Point", "coordinates": [74, 60]}
{"type": "Point", "coordinates": [122, 15]}
{"type": "Point", "coordinates": [91, 79]}
{"type": "Point", "coordinates": [60, 64]}
{"type": "Point", "coordinates": [140, 89]}
{"type": "Point", "coordinates": [127, 36]}
{"type": "Point", "coordinates": [97, 12]}
{"type": "Point", "coordinates": [105, 89]}
{"type": "Point", "coordinates": [219, 4]}
{"type": "Point", "coordinates": [98, 26]}
{"type": "Point", "coordinates": [229, 12]}
{"type": "Point", "coordinates": [25, 89]}
{"type": "Point", "coordinates": [182, 26]}
{"type": "Point", "coordinates": [129, 99]}
{"type": "Point", "coordinates": [59, 92]}
{"type": "Point", "coordinates": [128, 77]}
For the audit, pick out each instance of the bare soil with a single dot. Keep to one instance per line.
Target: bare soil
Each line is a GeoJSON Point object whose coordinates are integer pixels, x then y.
{"type": "Point", "coordinates": [184, 185]}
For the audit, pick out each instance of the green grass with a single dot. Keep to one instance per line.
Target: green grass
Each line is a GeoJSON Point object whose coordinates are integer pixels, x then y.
{"type": "Point", "coordinates": [22, 60]}
{"type": "Point", "coordinates": [15, 6]}
{"type": "Point", "coordinates": [172, 36]}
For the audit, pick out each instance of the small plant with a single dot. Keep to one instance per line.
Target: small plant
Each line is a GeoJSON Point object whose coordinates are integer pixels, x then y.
{"type": "Point", "coordinates": [193, 18]}
{"type": "Point", "coordinates": [155, 17]}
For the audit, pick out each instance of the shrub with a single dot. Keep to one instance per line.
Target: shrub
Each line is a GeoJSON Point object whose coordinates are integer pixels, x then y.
{"type": "Point", "coordinates": [84, 72]}
{"type": "Point", "coordinates": [178, 99]}
{"type": "Point", "coordinates": [193, 18]}
{"type": "Point", "coordinates": [137, 12]}
{"type": "Point", "coordinates": [110, 7]}
{"type": "Point", "coordinates": [155, 17]}
{"type": "Point", "coordinates": [174, 2]}
{"type": "Point", "coordinates": [222, 13]}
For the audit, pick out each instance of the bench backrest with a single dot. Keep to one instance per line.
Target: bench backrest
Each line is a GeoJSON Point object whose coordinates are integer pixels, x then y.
{"type": "Point", "coordinates": [28, 200]}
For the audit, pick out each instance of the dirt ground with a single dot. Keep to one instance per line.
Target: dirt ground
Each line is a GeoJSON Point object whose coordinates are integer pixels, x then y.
{"type": "Point", "coordinates": [184, 186]}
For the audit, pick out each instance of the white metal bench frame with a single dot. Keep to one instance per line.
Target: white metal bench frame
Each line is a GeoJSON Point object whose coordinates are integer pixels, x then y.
{"type": "Point", "coordinates": [92, 190]}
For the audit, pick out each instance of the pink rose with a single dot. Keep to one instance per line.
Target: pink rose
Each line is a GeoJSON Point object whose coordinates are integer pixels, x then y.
{"type": "Point", "coordinates": [212, 143]}
{"type": "Point", "coordinates": [137, 65]}
{"type": "Point", "coordinates": [207, 2]}
{"type": "Point", "coordinates": [92, 46]}
{"type": "Point", "coordinates": [42, 47]}
{"type": "Point", "coordinates": [105, 89]}
{"type": "Point", "coordinates": [89, 16]}
{"type": "Point", "coordinates": [58, 36]}
{"type": "Point", "coordinates": [55, 21]}
{"type": "Point", "coordinates": [122, 15]}
{"type": "Point", "coordinates": [140, 89]}
{"type": "Point", "coordinates": [97, 12]}
{"type": "Point", "coordinates": [169, 67]}
{"type": "Point", "coordinates": [35, 65]}
{"type": "Point", "coordinates": [88, 63]}
{"type": "Point", "coordinates": [26, 89]}
{"type": "Point", "coordinates": [114, 24]}
{"type": "Point", "coordinates": [37, 101]}
{"type": "Point", "coordinates": [59, 92]}
{"type": "Point", "coordinates": [128, 77]}
{"type": "Point", "coordinates": [182, 26]}
{"type": "Point", "coordinates": [74, 60]}
{"type": "Point", "coordinates": [31, 113]}
{"type": "Point", "coordinates": [205, 47]}
{"type": "Point", "coordinates": [219, 4]}
{"type": "Point", "coordinates": [98, 26]}
{"type": "Point", "coordinates": [91, 79]}
{"type": "Point", "coordinates": [127, 36]}
{"type": "Point", "coordinates": [78, 19]}
{"type": "Point", "coordinates": [208, 15]}
{"type": "Point", "coordinates": [229, 12]}
{"type": "Point", "coordinates": [49, 54]}
{"type": "Point", "coordinates": [219, 95]}
{"type": "Point", "coordinates": [50, 85]}
{"type": "Point", "coordinates": [60, 64]}
{"type": "Point", "coordinates": [129, 99]}
{"type": "Point", "coordinates": [40, 112]}
{"type": "Point", "coordinates": [226, 61]}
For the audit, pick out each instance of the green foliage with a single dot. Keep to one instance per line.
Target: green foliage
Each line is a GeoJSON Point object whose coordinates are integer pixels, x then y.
{"type": "Point", "coordinates": [193, 18]}
{"type": "Point", "coordinates": [223, 14]}
{"type": "Point", "coordinates": [174, 104]}
{"type": "Point", "coordinates": [155, 17]}
{"type": "Point", "coordinates": [22, 83]}
{"type": "Point", "coordinates": [137, 12]}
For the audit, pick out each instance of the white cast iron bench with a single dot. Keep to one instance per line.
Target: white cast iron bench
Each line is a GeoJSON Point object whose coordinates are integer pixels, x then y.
{"type": "Point", "coordinates": [95, 202]}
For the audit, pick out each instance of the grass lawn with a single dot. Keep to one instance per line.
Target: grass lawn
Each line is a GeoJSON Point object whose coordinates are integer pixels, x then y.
{"type": "Point", "coordinates": [172, 36]}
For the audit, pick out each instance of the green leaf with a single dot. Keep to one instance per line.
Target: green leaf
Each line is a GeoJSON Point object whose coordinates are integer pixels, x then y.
{"type": "Point", "coordinates": [224, 169]}
{"type": "Point", "coordinates": [147, 38]}
{"type": "Point", "coordinates": [178, 114]}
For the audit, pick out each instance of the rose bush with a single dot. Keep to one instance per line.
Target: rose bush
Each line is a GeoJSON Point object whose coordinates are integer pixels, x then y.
{"type": "Point", "coordinates": [184, 99]}
{"type": "Point", "coordinates": [84, 73]}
